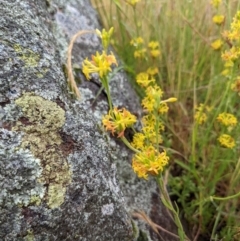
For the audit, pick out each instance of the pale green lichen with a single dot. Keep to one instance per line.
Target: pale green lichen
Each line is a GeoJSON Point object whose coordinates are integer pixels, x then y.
{"type": "Point", "coordinates": [41, 123]}
{"type": "Point", "coordinates": [29, 236]}
{"type": "Point", "coordinates": [56, 193]}
{"type": "Point", "coordinates": [42, 73]}
{"type": "Point", "coordinates": [35, 200]}
{"type": "Point", "coordinates": [30, 58]}
{"type": "Point", "coordinates": [19, 172]}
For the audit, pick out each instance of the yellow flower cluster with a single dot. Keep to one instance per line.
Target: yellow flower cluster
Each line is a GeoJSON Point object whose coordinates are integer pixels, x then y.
{"type": "Point", "coordinates": [236, 85]}
{"type": "Point", "coordinates": [149, 133]}
{"type": "Point", "coordinates": [152, 71]}
{"type": "Point", "coordinates": [227, 119]}
{"type": "Point", "coordinates": [230, 56]}
{"type": "Point", "coordinates": [226, 141]}
{"type": "Point", "coordinates": [132, 2]}
{"type": "Point", "coordinates": [216, 3]}
{"type": "Point", "coordinates": [117, 120]}
{"type": "Point", "coordinates": [138, 43]}
{"type": "Point", "coordinates": [217, 44]}
{"type": "Point", "coordinates": [234, 33]}
{"type": "Point", "coordinates": [100, 63]}
{"type": "Point", "coordinates": [144, 79]}
{"type": "Point", "coordinates": [149, 161]}
{"type": "Point", "coordinates": [140, 51]}
{"type": "Point", "coordinates": [152, 99]}
{"type": "Point", "coordinates": [200, 115]}
{"type": "Point", "coordinates": [105, 36]}
{"type": "Point", "coordinates": [218, 19]}
{"type": "Point", "coordinates": [154, 49]}
{"type": "Point", "coordinates": [230, 121]}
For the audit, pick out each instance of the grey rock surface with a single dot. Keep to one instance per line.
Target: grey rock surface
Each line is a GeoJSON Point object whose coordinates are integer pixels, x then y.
{"type": "Point", "coordinates": [61, 176]}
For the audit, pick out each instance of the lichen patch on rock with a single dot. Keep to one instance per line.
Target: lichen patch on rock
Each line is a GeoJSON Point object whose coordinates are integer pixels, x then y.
{"type": "Point", "coordinates": [41, 123]}
{"type": "Point", "coordinates": [29, 57]}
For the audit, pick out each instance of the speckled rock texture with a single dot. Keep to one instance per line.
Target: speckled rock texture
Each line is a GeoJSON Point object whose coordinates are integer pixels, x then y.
{"type": "Point", "coordinates": [61, 176]}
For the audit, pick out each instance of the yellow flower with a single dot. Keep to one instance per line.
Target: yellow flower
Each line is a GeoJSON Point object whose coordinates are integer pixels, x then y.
{"type": "Point", "coordinates": [105, 36]}
{"type": "Point", "coordinates": [144, 79]}
{"type": "Point", "coordinates": [149, 136]}
{"type": "Point", "coordinates": [155, 53]}
{"type": "Point", "coordinates": [138, 141]}
{"type": "Point", "coordinates": [150, 120]}
{"type": "Point", "coordinates": [152, 136]}
{"type": "Point", "coordinates": [132, 2]}
{"type": "Point", "coordinates": [153, 45]}
{"type": "Point", "coordinates": [225, 72]}
{"type": "Point", "coordinates": [171, 99]}
{"type": "Point", "coordinates": [200, 115]}
{"type": "Point", "coordinates": [137, 41]}
{"type": "Point", "coordinates": [152, 94]}
{"type": "Point", "coordinates": [231, 55]}
{"type": "Point", "coordinates": [118, 120]}
{"type": "Point", "coordinates": [100, 64]}
{"type": "Point", "coordinates": [229, 64]}
{"type": "Point", "coordinates": [227, 119]}
{"type": "Point", "coordinates": [163, 108]}
{"type": "Point", "coordinates": [149, 162]}
{"type": "Point", "coordinates": [216, 3]}
{"type": "Point", "coordinates": [218, 19]}
{"type": "Point", "coordinates": [226, 141]}
{"type": "Point", "coordinates": [140, 53]}
{"type": "Point", "coordinates": [139, 169]}
{"type": "Point", "coordinates": [152, 71]}
{"type": "Point", "coordinates": [236, 85]}
{"type": "Point", "coordinates": [234, 34]}
{"type": "Point", "coordinates": [217, 44]}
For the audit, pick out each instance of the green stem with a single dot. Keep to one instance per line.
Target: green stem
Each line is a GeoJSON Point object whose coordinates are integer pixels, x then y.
{"type": "Point", "coordinates": [224, 198]}
{"type": "Point", "coordinates": [158, 102]}
{"type": "Point", "coordinates": [126, 142]}
{"type": "Point", "coordinates": [135, 20]}
{"type": "Point", "coordinates": [217, 219]}
{"type": "Point", "coordinates": [168, 204]}
{"type": "Point", "coordinates": [105, 84]}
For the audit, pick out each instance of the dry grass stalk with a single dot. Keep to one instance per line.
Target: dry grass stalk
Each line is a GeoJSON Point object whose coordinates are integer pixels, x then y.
{"type": "Point", "coordinates": [71, 81]}
{"type": "Point", "coordinates": [141, 215]}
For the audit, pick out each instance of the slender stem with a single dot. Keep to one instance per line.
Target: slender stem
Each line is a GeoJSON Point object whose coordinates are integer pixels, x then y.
{"type": "Point", "coordinates": [126, 142]}
{"type": "Point", "coordinates": [71, 80]}
{"type": "Point", "coordinates": [168, 204]}
{"type": "Point", "coordinates": [216, 221]}
{"type": "Point", "coordinates": [135, 20]}
{"type": "Point", "coordinates": [194, 132]}
{"type": "Point", "coordinates": [224, 198]}
{"type": "Point", "coordinates": [105, 84]}
{"type": "Point", "coordinates": [158, 101]}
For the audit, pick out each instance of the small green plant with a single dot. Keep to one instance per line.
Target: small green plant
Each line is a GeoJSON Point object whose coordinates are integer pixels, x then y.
{"type": "Point", "coordinates": [148, 158]}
